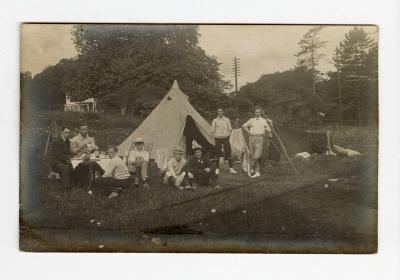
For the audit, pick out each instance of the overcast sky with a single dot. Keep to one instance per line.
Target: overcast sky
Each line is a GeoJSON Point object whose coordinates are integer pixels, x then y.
{"type": "Point", "coordinates": [261, 48]}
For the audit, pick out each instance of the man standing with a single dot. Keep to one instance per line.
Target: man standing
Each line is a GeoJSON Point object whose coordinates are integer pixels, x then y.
{"type": "Point", "coordinates": [137, 161]}
{"type": "Point", "coordinates": [61, 157]}
{"type": "Point", "coordinates": [116, 175]}
{"type": "Point", "coordinates": [257, 128]}
{"type": "Point", "coordinates": [83, 143]}
{"type": "Point", "coordinates": [221, 129]}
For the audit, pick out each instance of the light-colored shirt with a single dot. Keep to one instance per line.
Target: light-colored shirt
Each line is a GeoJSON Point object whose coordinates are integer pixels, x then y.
{"type": "Point", "coordinates": [136, 154]}
{"type": "Point", "coordinates": [78, 141]}
{"type": "Point", "coordinates": [221, 127]}
{"type": "Point", "coordinates": [258, 126]}
{"type": "Point", "coordinates": [116, 168]}
{"type": "Point", "coordinates": [174, 167]}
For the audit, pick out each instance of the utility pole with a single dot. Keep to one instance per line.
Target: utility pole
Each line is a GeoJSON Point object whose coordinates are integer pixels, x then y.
{"type": "Point", "coordinates": [339, 87]}
{"type": "Point", "coordinates": [236, 73]}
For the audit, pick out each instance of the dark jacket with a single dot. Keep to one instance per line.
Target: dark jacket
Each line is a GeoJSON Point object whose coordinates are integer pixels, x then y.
{"type": "Point", "coordinates": [61, 151]}
{"type": "Point", "coordinates": [196, 166]}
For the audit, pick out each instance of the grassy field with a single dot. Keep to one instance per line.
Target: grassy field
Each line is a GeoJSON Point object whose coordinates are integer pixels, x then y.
{"type": "Point", "coordinates": [278, 212]}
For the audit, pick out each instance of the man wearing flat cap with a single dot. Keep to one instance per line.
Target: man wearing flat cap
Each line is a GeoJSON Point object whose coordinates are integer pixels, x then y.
{"type": "Point", "coordinates": [175, 174]}
{"type": "Point", "coordinates": [198, 169]}
{"type": "Point", "coordinates": [137, 161]}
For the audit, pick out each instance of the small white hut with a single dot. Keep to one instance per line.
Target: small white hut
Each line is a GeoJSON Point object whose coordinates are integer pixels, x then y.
{"type": "Point", "coordinates": [86, 106]}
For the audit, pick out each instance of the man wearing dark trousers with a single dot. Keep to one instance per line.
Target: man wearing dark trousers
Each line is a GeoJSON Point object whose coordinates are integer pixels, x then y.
{"type": "Point", "coordinates": [83, 145]}
{"type": "Point", "coordinates": [116, 175]}
{"type": "Point", "coordinates": [221, 129]}
{"type": "Point", "coordinates": [61, 157]}
{"type": "Point", "coordinates": [199, 171]}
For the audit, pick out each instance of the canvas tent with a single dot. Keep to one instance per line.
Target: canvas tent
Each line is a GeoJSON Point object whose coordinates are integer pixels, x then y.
{"type": "Point", "coordinates": [174, 122]}
{"type": "Point", "coordinates": [296, 140]}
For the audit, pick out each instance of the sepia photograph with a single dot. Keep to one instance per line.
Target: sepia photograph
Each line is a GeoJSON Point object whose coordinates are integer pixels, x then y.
{"type": "Point", "coordinates": [198, 138]}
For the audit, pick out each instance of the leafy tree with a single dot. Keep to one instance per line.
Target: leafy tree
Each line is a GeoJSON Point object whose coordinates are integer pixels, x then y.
{"type": "Point", "coordinates": [25, 79]}
{"type": "Point", "coordinates": [133, 66]}
{"type": "Point", "coordinates": [47, 89]}
{"type": "Point", "coordinates": [287, 96]}
{"type": "Point", "coordinates": [308, 55]}
{"type": "Point", "coordinates": [357, 61]}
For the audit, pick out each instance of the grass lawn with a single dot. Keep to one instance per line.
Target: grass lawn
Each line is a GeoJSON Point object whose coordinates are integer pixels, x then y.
{"type": "Point", "coordinates": [279, 212]}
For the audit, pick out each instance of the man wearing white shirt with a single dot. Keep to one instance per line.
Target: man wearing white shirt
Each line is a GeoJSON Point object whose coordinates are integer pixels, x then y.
{"type": "Point", "coordinates": [83, 143]}
{"type": "Point", "coordinates": [175, 174]}
{"type": "Point", "coordinates": [116, 175]}
{"type": "Point", "coordinates": [221, 129]}
{"type": "Point", "coordinates": [137, 161]}
{"type": "Point", "coordinates": [257, 128]}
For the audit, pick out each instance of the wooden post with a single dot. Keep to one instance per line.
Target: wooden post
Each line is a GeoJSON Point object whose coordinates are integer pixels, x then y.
{"type": "Point", "coordinates": [127, 156]}
{"type": "Point", "coordinates": [339, 88]}
{"type": "Point", "coordinates": [236, 72]}
{"type": "Point", "coordinates": [285, 152]}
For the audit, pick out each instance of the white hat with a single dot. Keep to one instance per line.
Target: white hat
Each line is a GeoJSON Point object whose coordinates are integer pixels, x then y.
{"type": "Point", "coordinates": [178, 150]}
{"type": "Point", "coordinates": [197, 147]}
{"type": "Point", "coordinates": [138, 140]}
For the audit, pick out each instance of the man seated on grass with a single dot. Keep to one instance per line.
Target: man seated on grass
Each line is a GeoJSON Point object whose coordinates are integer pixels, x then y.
{"type": "Point", "coordinates": [198, 170]}
{"type": "Point", "coordinates": [61, 158]}
{"type": "Point", "coordinates": [116, 175]}
{"type": "Point", "coordinates": [137, 161]}
{"type": "Point", "coordinates": [175, 174]}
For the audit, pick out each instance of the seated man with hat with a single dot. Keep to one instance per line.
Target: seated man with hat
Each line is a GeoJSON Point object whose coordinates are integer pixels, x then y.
{"type": "Point", "coordinates": [198, 169]}
{"type": "Point", "coordinates": [175, 174]}
{"type": "Point", "coordinates": [137, 161]}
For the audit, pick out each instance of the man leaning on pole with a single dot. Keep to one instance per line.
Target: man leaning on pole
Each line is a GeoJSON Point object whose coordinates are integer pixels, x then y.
{"type": "Point", "coordinates": [257, 128]}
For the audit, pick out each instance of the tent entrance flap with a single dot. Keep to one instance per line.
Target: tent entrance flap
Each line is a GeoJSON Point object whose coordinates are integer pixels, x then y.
{"type": "Point", "coordinates": [191, 132]}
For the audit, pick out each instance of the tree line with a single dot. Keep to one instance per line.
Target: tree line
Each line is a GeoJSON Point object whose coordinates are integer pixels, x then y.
{"type": "Point", "coordinates": [305, 95]}
{"type": "Point", "coordinates": [132, 67]}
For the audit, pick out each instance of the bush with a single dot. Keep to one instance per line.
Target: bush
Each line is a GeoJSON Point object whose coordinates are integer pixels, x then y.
{"type": "Point", "coordinates": [92, 116]}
